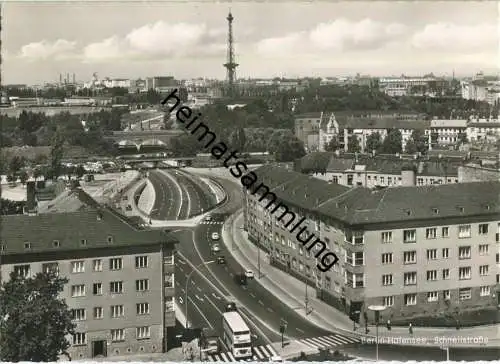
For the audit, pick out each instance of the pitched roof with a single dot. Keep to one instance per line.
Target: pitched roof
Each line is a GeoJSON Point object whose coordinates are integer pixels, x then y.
{"type": "Point", "coordinates": [361, 205]}
{"type": "Point", "coordinates": [385, 123]}
{"type": "Point", "coordinates": [315, 162]}
{"type": "Point", "coordinates": [93, 225]}
{"type": "Point", "coordinates": [309, 115]}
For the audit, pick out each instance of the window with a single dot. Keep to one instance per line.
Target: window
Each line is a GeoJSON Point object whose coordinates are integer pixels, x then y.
{"type": "Point", "coordinates": [432, 275]}
{"type": "Point", "coordinates": [142, 285]}
{"type": "Point", "coordinates": [464, 231]}
{"type": "Point", "coordinates": [484, 291]}
{"type": "Point", "coordinates": [143, 332]}
{"type": "Point", "coordinates": [50, 267]}
{"type": "Point", "coordinates": [116, 287]}
{"type": "Point", "coordinates": [115, 264]}
{"type": "Point", "coordinates": [445, 232]}
{"type": "Point", "coordinates": [388, 301]}
{"type": "Point", "coordinates": [117, 335]}
{"type": "Point", "coordinates": [410, 299]}
{"type": "Point", "coordinates": [117, 311]}
{"type": "Point", "coordinates": [110, 239]}
{"type": "Point", "coordinates": [97, 265]}
{"type": "Point", "coordinates": [410, 278]}
{"type": "Point", "coordinates": [483, 249]}
{"type": "Point", "coordinates": [445, 252]}
{"type": "Point", "coordinates": [464, 273]}
{"type": "Point", "coordinates": [167, 260]}
{"type": "Point", "coordinates": [483, 270]}
{"type": "Point", "coordinates": [359, 258]}
{"type": "Point", "coordinates": [98, 313]}
{"type": "Point", "coordinates": [410, 257]}
{"type": "Point", "coordinates": [78, 290]}
{"type": "Point", "coordinates": [27, 245]}
{"type": "Point", "coordinates": [432, 254]}
{"type": "Point", "coordinates": [483, 229]}
{"type": "Point", "coordinates": [432, 296]}
{"type": "Point", "coordinates": [169, 280]}
{"type": "Point", "coordinates": [446, 294]}
{"type": "Point", "coordinates": [78, 314]}
{"type": "Point", "coordinates": [141, 261]}
{"type": "Point", "coordinates": [79, 338]}
{"type": "Point", "coordinates": [431, 233]}
{"type": "Point", "coordinates": [83, 242]}
{"type": "Point", "coordinates": [359, 280]}
{"type": "Point", "coordinates": [387, 237]}
{"type": "Point", "coordinates": [23, 270]}
{"type": "Point", "coordinates": [78, 266]}
{"type": "Point", "coordinates": [142, 308]}
{"type": "Point", "coordinates": [97, 289]}
{"type": "Point", "coordinates": [464, 252]}
{"type": "Point", "coordinates": [410, 236]}
{"type": "Point", "coordinates": [446, 273]}
{"type": "Point", "coordinates": [169, 304]}
{"type": "Point", "coordinates": [56, 244]}
{"type": "Point", "coordinates": [464, 294]}
{"type": "Point", "coordinates": [387, 258]}
{"type": "Point", "coordinates": [387, 279]}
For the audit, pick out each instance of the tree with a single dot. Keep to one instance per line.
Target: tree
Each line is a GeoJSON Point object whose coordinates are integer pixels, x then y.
{"type": "Point", "coordinates": [353, 145]}
{"type": "Point", "coordinates": [417, 142]}
{"type": "Point", "coordinates": [16, 163]}
{"type": "Point", "coordinates": [333, 144]}
{"type": "Point", "coordinates": [392, 142]}
{"type": "Point", "coordinates": [23, 176]}
{"type": "Point", "coordinates": [237, 139]}
{"type": "Point", "coordinates": [80, 171]}
{"type": "Point", "coordinates": [56, 155]}
{"type": "Point", "coordinates": [35, 321]}
{"type": "Point", "coordinates": [373, 142]}
{"type": "Point", "coordinates": [37, 173]}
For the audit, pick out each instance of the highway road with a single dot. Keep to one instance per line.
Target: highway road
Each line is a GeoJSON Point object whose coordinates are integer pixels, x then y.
{"type": "Point", "coordinates": [178, 201]}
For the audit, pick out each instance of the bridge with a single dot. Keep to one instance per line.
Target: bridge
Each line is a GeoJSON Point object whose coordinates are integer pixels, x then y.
{"type": "Point", "coordinates": [139, 138]}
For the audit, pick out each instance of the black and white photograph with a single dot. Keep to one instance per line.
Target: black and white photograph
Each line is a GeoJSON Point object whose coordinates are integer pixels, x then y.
{"type": "Point", "coordinates": [249, 181]}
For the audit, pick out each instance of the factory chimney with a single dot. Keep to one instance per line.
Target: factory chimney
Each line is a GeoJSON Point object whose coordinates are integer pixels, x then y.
{"type": "Point", "coordinates": [74, 78]}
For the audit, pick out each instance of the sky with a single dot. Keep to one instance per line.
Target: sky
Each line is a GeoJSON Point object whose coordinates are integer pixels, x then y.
{"type": "Point", "coordinates": [132, 39]}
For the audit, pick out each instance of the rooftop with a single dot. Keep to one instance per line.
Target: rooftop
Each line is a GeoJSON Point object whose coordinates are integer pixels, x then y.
{"type": "Point", "coordinates": [361, 205]}
{"type": "Point", "coordinates": [77, 230]}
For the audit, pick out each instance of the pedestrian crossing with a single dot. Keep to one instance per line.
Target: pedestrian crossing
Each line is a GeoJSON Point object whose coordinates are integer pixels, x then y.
{"type": "Point", "coordinates": [259, 353]}
{"type": "Point", "coordinates": [325, 342]}
{"type": "Point", "coordinates": [212, 222]}
{"type": "Point", "coordinates": [264, 352]}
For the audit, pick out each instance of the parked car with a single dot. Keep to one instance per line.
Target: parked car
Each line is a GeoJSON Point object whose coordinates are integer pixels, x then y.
{"type": "Point", "coordinates": [212, 346]}
{"type": "Point", "coordinates": [221, 259]}
{"type": "Point", "coordinates": [215, 248]}
{"type": "Point", "coordinates": [208, 218]}
{"type": "Point", "coordinates": [249, 274]}
{"type": "Point", "coordinates": [276, 359]}
{"type": "Point", "coordinates": [215, 236]}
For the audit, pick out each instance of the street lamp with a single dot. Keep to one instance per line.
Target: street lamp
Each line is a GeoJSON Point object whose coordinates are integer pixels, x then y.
{"type": "Point", "coordinates": [187, 286]}
{"type": "Point", "coordinates": [377, 310]}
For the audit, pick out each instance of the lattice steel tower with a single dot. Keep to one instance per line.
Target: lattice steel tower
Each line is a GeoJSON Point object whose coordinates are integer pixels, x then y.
{"type": "Point", "coordinates": [230, 64]}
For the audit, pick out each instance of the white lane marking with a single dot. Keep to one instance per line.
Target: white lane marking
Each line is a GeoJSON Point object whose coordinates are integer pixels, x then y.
{"type": "Point", "coordinates": [201, 313]}
{"type": "Point", "coordinates": [270, 309]}
{"type": "Point", "coordinates": [180, 268]}
{"type": "Point", "coordinates": [224, 357]}
{"type": "Point", "coordinates": [270, 348]}
{"type": "Point", "coordinates": [199, 289]}
{"type": "Point", "coordinates": [215, 296]}
{"type": "Point", "coordinates": [259, 354]}
{"type": "Point", "coordinates": [199, 298]}
{"type": "Point", "coordinates": [231, 357]}
{"type": "Point", "coordinates": [299, 330]}
{"type": "Point", "coordinates": [193, 283]}
{"type": "Point", "coordinates": [261, 303]}
{"type": "Point", "coordinates": [213, 304]}
{"type": "Point", "coordinates": [251, 294]}
{"type": "Point", "coordinates": [181, 301]}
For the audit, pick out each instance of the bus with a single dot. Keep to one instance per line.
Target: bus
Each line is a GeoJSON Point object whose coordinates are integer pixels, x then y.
{"type": "Point", "coordinates": [237, 335]}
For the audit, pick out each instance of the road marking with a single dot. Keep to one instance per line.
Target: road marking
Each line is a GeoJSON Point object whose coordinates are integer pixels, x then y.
{"type": "Point", "coordinates": [183, 290]}
{"type": "Point", "coordinates": [231, 274]}
{"type": "Point", "coordinates": [199, 298]}
{"type": "Point", "coordinates": [261, 303]}
{"type": "Point", "coordinates": [299, 330]}
{"type": "Point", "coordinates": [199, 289]}
{"type": "Point", "coordinates": [215, 296]}
{"type": "Point", "coordinates": [180, 268]}
{"type": "Point", "coordinates": [202, 314]}
{"type": "Point", "coordinates": [213, 304]}
{"type": "Point", "coordinates": [193, 283]}
{"type": "Point", "coordinates": [176, 283]}
{"type": "Point", "coordinates": [270, 309]}
{"type": "Point", "coordinates": [181, 301]}
{"type": "Point", "coordinates": [251, 294]}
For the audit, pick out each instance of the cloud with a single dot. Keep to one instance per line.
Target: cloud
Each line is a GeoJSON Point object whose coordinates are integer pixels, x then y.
{"type": "Point", "coordinates": [454, 37]}
{"type": "Point", "coordinates": [60, 49]}
{"type": "Point", "coordinates": [337, 35]}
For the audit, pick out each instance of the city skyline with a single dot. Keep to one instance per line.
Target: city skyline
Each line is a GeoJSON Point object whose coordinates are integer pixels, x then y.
{"type": "Point", "coordinates": [189, 40]}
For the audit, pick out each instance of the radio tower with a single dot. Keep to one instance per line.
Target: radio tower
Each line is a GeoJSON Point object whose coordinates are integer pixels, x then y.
{"type": "Point", "coordinates": [230, 65]}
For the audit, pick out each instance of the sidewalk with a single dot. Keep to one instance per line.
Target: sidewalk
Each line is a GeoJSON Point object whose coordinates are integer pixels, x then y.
{"type": "Point", "coordinates": [291, 291]}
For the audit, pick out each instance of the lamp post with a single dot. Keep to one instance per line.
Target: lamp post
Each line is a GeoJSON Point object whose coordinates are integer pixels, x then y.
{"type": "Point", "coordinates": [187, 286]}
{"type": "Point", "coordinates": [447, 349]}
{"type": "Point", "coordinates": [377, 310]}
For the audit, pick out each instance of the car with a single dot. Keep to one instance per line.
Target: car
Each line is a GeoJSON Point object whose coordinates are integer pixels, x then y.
{"type": "Point", "coordinates": [276, 359]}
{"type": "Point", "coordinates": [212, 346]}
{"type": "Point", "coordinates": [208, 218]}
{"type": "Point", "coordinates": [249, 274]}
{"type": "Point", "coordinates": [215, 248]}
{"type": "Point", "coordinates": [215, 236]}
{"type": "Point", "coordinates": [231, 306]}
{"type": "Point", "coordinates": [221, 259]}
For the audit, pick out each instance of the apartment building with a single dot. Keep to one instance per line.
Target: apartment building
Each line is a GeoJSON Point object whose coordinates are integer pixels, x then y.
{"type": "Point", "coordinates": [421, 251]}
{"type": "Point", "coordinates": [121, 277]}
{"type": "Point", "coordinates": [483, 130]}
{"type": "Point", "coordinates": [306, 129]}
{"type": "Point", "coordinates": [448, 131]}
{"type": "Point", "coordinates": [377, 171]}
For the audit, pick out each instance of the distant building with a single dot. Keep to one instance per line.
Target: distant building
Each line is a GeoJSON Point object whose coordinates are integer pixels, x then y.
{"type": "Point", "coordinates": [306, 129]}
{"type": "Point", "coordinates": [79, 101]}
{"type": "Point", "coordinates": [121, 277]}
{"type": "Point", "coordinates": [418, 86]}
{"type": "Point", "coordinates": [161, 84]}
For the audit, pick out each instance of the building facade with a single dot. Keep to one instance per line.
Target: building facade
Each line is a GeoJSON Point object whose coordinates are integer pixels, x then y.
{"type": "Point", "coordinates": [422, 252]}
{"type": "Point", "coordinates": [121, 277]}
